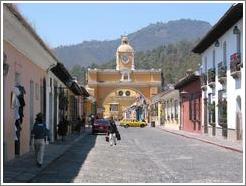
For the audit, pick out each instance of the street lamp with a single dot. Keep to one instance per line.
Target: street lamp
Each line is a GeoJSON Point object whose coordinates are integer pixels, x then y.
{"type": "Point", "coordinates": [217, 43]}
{"type": "Point", "coordinates": [236, 30]}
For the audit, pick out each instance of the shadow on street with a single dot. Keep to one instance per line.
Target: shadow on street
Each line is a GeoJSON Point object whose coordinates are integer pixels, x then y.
{"type": "Point", "coordinates": [65, 168]}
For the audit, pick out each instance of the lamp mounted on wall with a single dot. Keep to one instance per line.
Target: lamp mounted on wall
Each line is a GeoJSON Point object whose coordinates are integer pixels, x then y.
{"type": "Point", "coordinates": [5, 65]}
{"type": "Point", "coordinates": [217, 43]}
{"type": "Point", "coordinates": [236, 30]}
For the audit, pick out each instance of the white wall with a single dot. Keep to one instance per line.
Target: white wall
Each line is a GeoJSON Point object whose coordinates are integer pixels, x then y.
{"type": "Point", "coordinates": [50, 111]}
{"type": "Point", "coordinates": [232, 90]}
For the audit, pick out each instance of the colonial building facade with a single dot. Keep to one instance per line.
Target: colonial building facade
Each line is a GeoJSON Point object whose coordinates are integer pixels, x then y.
{"type": "Point", "coordinates": [116, 89]}
{"type": "Point", "coordinates": [190, 102]}
{"type": "Point", "coordinates": [29, 84]}
{"type": "Point", "coordinates": [223, 76]}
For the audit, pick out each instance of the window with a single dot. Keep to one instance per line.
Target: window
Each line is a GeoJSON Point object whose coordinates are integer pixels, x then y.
{"type": "Point", "coordinates": [190, 106]}
{"type": "Point", "coordinates": [37, 91]}
{"type": "Point", "coordinates": [128, 93]}
{"type": "Point", "coordinates": [176, 109]}
{"type": "Point", "coordinates": [120, 93]}
{"type": "Point", "coordinates": [238, 36]}
{"type": "Point", "coordinates": [224, 53]}
{"type": "Point", "coordinates": [50, 82]}
{"type": "Point", "coordinates": [206, 63]}
{"type": "Point", "coordinates": [125, 76]}
{"type": "Point", "coordinates": [113, 107]}
{"type": "Point", "coordinates": [213, 58]}
{"type": "Point", "coordinates": [198, 108]}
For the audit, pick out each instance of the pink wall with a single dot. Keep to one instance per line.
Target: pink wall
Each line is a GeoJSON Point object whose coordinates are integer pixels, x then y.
{"type": "Point", "coordinates": [28, 71]}
{"type": "Point", "coordinates": [188, 125]}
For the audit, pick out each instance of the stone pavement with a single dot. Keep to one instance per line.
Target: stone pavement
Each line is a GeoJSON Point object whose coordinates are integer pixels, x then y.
{"type": "Point", "coordinates": [24, 168]}
{"type": "Point", "coordinates": [144, 155]}
{"type": "Point", "coordinates": [231, 145]}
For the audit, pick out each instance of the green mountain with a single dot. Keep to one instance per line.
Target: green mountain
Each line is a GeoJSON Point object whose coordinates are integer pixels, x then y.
{"type": "Point", "coordinates": [173, 59]}
{"type": "Point", "coordinates": [147, 38]}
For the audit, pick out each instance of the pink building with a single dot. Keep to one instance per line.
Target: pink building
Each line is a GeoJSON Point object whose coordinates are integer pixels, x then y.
{"type": "Point", "coordinates": [34, 81]}
{"type": "Point", "coordinates": [190, 102]}
{"type": "Point", "coordinates": [27, 60]}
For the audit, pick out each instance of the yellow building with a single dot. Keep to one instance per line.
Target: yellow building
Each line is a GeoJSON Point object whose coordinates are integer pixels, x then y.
{"type": "Point", "coordinates": [116, 89]}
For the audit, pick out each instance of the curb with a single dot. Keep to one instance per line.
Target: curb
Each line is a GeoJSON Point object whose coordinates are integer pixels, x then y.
{"type": "Point", "coordinates": [206, 141]}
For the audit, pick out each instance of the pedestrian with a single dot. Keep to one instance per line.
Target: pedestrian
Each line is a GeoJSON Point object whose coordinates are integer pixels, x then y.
{"type": "Point", "coordinates": [78, 125]}
{"type": "Point", "coordinates": [40, 134]}
{"type": "Point", "coordinates": [63, 128]}
{"type": "Point", "coordinates": [83, 122]}
{"type": "Point", "coordinates": [112, 131]}
{"type": "Point", "coordinates": [92, 119]}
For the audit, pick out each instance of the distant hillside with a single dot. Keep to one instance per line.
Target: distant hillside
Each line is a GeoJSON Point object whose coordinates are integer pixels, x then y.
{"type": "Point", "coordinates": [173, 59]}
{"type": "Point", "coordinates": [148, 38]}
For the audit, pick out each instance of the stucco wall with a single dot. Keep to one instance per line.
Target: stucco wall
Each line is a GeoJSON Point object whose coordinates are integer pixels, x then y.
{"type": "Point", "coordinates": [28, 71]}
{"type": "Point", "coordinates": [233, 86]}
{"type": "Point", "coordinates": [187, 124]}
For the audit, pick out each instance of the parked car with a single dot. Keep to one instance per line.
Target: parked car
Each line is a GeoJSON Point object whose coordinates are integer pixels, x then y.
{"type": "Point", "coordinates": [132, 123]}
{"type": "Point", "coordinates": [100, 126]}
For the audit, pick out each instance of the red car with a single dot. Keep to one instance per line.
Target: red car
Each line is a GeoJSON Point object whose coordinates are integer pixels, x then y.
{"type": "Point", "coordinates": [100, 126]}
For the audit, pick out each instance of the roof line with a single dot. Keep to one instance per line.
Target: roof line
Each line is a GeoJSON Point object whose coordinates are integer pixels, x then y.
{"type": "Point", "coordinates": [24, 22]}
{"type": "Point", "coordinates": [236, 10]}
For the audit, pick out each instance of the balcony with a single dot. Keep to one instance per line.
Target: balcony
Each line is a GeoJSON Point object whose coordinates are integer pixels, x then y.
{"type": "Point", "coordinates": [203, 79]}
{"type": "Point", "coordinates": [222, 72]}
{"type": "Point", "coordinates": [211, 77]}
{"type": "Point", "coordinates": [235, 65]}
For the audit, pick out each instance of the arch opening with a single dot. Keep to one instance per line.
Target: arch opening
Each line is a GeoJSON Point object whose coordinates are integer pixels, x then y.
{"type": "Point", "coordinates": [125, 103]}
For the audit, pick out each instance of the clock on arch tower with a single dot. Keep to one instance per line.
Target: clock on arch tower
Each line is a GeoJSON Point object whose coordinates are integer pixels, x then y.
{"type": "Point", "coordinates": [125, 55]}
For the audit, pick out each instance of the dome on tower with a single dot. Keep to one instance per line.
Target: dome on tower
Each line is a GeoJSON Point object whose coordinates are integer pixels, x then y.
{"type": "Point", "coordinates": [125, 47]}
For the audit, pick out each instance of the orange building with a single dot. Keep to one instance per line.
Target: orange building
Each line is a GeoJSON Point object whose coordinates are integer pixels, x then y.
{"type": "Point", "coordinates": [116, 89]}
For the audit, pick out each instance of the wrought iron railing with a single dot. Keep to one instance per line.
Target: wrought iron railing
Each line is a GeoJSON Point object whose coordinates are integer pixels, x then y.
{"type": "Point", "coordinates": [221, 70]}
{"type": "Point", "coordinates": [203, 79]}
{"type": "Point", "coordinates": [211, 75]}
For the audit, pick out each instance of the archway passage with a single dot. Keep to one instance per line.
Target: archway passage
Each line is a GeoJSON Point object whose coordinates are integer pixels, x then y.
{"type": "Point", "coordinates": [120, 101]}
{"type": "Point", "coordinates": [104, 83]}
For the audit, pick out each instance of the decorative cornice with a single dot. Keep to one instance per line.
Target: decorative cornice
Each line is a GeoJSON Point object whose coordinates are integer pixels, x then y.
{"type": "Point", "coordinates": [124, 83]}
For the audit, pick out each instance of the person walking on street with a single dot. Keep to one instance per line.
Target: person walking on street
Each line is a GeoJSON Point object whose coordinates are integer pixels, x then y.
{"type": "Point", "coordinates": [112, 131]}
{"type": "Point", "coordinates": [78, 125]}
{"type": "Point", "coordinates": [63, 128]}
{"type": "Point", "coordinates": [92, 119]}
{"type": "Point", "coordinates": [83, 122]}
{"type": "Point", "coordinates": [40, 134]}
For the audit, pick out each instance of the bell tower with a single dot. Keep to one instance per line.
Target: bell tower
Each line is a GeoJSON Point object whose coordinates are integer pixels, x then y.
{"type": "Point", "coordinates": [125, 55]}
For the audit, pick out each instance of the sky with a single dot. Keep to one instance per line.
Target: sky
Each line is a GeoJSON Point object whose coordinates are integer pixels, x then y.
{"type": "Point", "coordinates": [72, 23]}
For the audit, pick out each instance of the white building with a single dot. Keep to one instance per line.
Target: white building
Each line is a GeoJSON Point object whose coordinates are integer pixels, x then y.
{"type": "Point", "coordinates": [223, 76]}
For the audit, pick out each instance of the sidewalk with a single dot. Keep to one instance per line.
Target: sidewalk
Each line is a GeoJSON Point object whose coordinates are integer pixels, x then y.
{"type": "Point", "coordinates": [23, 169]}
{"type": "Point", "coordinates": [231, 145]}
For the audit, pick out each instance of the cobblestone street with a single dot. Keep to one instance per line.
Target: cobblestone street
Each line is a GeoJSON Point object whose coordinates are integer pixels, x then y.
{"type": "Point", "coordinates": [144, 155]}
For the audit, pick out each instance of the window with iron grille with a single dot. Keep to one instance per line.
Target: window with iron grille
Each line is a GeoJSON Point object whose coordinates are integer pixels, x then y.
{"type": "Point", "coordinates": [190, 106]}
{"type": "Point", "coordinates": [213, 58]}
{"type": "Point", "coordinates": [238, 42]}
{"type": "Point", "coordinates": [224, 53]}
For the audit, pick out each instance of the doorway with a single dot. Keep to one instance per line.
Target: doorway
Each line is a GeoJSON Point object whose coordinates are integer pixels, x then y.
{"type": "Point", "coordinates": [55, 110]}
{"type": "Point", "coordinates": [31, 119]}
